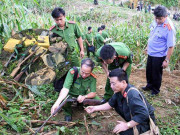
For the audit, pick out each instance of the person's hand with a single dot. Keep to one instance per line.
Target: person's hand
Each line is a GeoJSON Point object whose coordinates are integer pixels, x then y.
{"type": "Point", "coordinates": [81, 98]}
{"type": "Point", "coordinates": [81, 54]}
{"type": "Point", "coordinates": [165, 64]}
{"type": "Point", "coordinates": [107, 73]}
{"type": "Point", "coordinates": [90, 109]}
{"type": "Point", "coordinates": [121, 126]}
{"type": "Point", "coordinates": [53, 108]}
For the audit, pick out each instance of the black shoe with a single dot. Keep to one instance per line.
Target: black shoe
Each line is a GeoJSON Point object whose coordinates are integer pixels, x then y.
{"type": "Point", "coordinates": [68, 118]}
{"type": "Point", "coordinates": [103, 101]}
{"type": "Point", "coordinates": [154, 93]}
{"type": "Point", "coordinates": [145, 88]}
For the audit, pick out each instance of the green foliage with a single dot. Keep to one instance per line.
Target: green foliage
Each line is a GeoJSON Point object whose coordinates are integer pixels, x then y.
{"type": "Point", "coordinates": [67, 131]}
{"type": "Point", "coordinates": [167, 3]}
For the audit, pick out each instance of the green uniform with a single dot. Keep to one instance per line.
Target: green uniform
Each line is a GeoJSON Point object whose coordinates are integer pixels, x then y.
{"type": "Point", "coordinates": [70, 33]}
{"type": "Point", "coordinates": [123, 55]}
{"type": "Point", "coordinates": [88, 37]}
{"type": "Point", "coordinates": [99, 40]}
{"type": "Point", "coordinates": [80, 87]}
{"type": "Point", "coordinates": [105, 34]}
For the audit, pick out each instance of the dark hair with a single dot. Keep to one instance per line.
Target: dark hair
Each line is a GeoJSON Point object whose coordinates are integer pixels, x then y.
{"type": "Point", "coordinates": [107, 52]}
{"type": "Point", "coordinates": [57, 11]}
{"type": "Point", "coordinates": [99, 28]}
{"type": "Point", "coordinates": [88, 62]}
{"type": "Point", "coordinates": [103, 27]}
{"type": "Point", "coordinates": [120, 74]}
{"type": "Point", "coordinates": [160, 11]}
{"type": "Point", "coordinates": [89, 28]}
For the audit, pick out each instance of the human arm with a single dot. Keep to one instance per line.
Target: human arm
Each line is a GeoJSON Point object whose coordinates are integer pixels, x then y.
{"type": "Point", "coordinates": [105, 68]}
{"type": "Point", "coordinates": [125, 66]}
{"type": "Point", "coordinates": [103, 107]}
{"type": "Point", "coordinates": [81, 98]}
{"type": "Point", "coordinates": [80, 41]}
{"type": "Point", "coordinates": [64, 92]}
{"type": "Point", "coordinates": [166, 61]}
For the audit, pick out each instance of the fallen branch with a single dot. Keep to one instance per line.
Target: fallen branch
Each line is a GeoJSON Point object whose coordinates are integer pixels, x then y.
{"type": "Point", "coordinates": [85, 123]}
{"type": "Point", "coordinates": [61, 123]}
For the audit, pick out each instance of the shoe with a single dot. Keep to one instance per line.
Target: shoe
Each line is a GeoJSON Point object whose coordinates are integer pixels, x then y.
{"type": "Point", "coordinates": [154, 93]}
{"type": "Point", "coordinates": [103, 101]}
{"type": "Point", "coordinates": [145, 88]}
{"type": "Point", "coordinates": [68, 118]}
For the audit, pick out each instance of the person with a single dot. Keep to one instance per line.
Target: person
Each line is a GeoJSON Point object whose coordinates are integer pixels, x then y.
{"type": "Point", "coordinates": [113, 55]}
{"type": "Point", "coordinates": [149, 7]}
{"type": "Point", "coordinates": [128, 103]}
{"type": "Point", "coordinates": [104, 33]}
{"type": "Point", "coordinates": [69, 31]}
{"type": "Point", "coordinates": [160, 47]}
{"type": "Point", "coordinates": [85, 81]}
{"type": "Point", "coordinates": [99, 39]}
{"type": "Point", "coordinates": [89, 40]}
{"type": "Point", "coordinates": [132, 5]}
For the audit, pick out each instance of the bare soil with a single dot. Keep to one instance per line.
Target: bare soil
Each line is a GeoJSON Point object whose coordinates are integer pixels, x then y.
{"type": "Point", "coordinates": [105, 121]}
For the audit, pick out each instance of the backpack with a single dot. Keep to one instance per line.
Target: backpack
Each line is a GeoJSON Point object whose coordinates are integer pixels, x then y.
{"type": "Point", "coordinates": [58, 83]}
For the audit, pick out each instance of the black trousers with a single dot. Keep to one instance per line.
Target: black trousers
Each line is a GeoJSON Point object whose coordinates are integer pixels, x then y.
{"type": "Point", "coordinates": [154, 71]}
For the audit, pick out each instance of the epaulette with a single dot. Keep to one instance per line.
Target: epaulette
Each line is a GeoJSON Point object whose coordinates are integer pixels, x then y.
{"type": "Point", "coordinates": [168, 26]}
{"type": "Point", "coordinates": [52, 27]}
{"type": "Point", "coordinates": [93, 75]}
{"type": "Point", "coordinates": [72, 22]}
{"type": "Point", "coordinates": [122, 57]}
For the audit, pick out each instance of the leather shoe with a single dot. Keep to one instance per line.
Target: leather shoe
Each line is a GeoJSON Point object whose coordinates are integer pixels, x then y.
{"type": "Point", "coordinates": [145, 88]}
{"type": "Point", "coordinates": [68, 118]}
{"type": "Point", "coordinates": [103, 101]}
{"type": "Point", "coordinates": [154, 93]}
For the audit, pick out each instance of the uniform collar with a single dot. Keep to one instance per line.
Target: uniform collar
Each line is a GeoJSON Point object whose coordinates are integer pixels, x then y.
{"type": "Point", "coordinates": [125, 91]}
{"type": "Point", "coordinates": [161, 25]}
{"type": "Point", "coordinates": [66, 26]}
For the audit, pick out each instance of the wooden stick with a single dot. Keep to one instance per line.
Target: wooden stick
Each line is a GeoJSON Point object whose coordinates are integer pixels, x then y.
{"type": "Point", "coordinates": [51, 122]}
{"type": "Point", "coordinates": [85, 123]}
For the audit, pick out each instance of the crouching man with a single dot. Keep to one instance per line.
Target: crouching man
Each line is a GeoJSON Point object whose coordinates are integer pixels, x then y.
{"type": "Point", "coordinates": [128, 102]}
{"type": "Point", "coordinates": [85, 81]}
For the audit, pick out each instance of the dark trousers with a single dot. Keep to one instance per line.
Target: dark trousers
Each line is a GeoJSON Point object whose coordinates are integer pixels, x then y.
{"type": "Point", "coordinates": [154, 71]}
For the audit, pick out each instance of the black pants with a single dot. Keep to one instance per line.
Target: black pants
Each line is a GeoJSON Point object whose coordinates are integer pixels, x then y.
{"type": "Point", "coordinates": [154, 71]}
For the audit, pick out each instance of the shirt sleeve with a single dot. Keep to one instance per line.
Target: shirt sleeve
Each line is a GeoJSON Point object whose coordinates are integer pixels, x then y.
{"type": "Point", "coordinates": [112, 101]}
{"type": "Point", "coordinates": [69, 80]}
{"type": "Point", "coordinates": [137, 107]}
{"type": "Point", "coordinates": [93, 85]}
{"type": "Point", "coordinates": [97, 57]}
{"type": "Point", "coordinates": [129, 59]}
{"type": "Point", "coordinates": [171, 39]}
{"type": "Point", "coordinates": [77, 31]}
{"type": "Point", "coordinates": [101, 39]}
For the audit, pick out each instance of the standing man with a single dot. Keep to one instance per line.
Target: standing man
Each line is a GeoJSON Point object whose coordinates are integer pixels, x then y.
{"type": "Point", "coordinates": [85, 81]}
{"type": "Point", "coordinates": [89, 40]}
{"type": "Point", "coordinates": [159, 49]}
{"type": "Point", "coordinates": [104, 33]}
{"type": "Point", "coordinates": [113, 55]}
{"type": "Point", "coordinates": [69, 31]}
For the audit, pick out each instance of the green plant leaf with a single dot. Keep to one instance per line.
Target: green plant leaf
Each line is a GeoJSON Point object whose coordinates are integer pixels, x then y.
{"type": "Point", "coordinates": [9, 121]}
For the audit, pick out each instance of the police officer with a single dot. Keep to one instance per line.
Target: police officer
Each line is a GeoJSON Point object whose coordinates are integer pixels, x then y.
{"type": "Point", "coordinates": [128, 103]}
{"type": "Point", "coordinates": [89, 40]}
{"type": "Point", "coordinates": [160, 47]}
{"type": "Point", "coordinates": [104, 33]}
{"type": "Point", "coordinates": [69, 31]}
{"type": "Point", "coordinates": [85, 81]}
{"type": "Point", "coordinates": [112, 56]}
